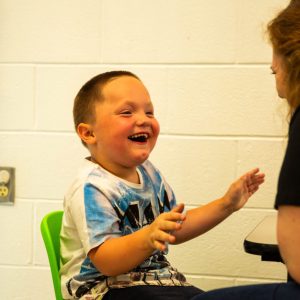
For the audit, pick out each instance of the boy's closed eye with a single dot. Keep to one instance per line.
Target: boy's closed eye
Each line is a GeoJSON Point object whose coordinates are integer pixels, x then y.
{"type": "Point", "coordinates": [126, 112]}
{"type": "Point", "coordinates": [129, 113]}
{"type": "Point", "coordinates": [150, 113]}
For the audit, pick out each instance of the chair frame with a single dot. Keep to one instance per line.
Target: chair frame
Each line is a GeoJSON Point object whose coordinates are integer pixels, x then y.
{"type": "Point", "coordinates": [50, 230]}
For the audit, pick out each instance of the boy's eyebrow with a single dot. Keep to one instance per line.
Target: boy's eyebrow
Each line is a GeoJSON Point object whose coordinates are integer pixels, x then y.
{"type": "Point", "coordinates": [129, 102]}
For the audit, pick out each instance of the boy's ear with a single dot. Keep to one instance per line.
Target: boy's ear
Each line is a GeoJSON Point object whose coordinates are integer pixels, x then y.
{"type": "Point", "coordinates": [86, 134]}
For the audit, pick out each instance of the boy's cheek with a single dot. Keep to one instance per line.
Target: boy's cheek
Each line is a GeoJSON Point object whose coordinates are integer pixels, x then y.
{"type": "Point", "coordinates": [156, 129]}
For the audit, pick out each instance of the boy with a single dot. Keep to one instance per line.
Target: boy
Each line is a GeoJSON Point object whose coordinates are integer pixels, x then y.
{"type": "Point", "coordinates": [120, 213]}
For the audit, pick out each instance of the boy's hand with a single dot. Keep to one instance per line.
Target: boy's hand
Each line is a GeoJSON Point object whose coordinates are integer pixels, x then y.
{"type": "Point", "coordinates": [241, 190]}
{"type": "Point", "coordinates": [160, 230]}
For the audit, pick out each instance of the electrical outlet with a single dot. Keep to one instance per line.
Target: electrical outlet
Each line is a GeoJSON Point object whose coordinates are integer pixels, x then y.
{"type": "Point", "coordinates": [7, 185]}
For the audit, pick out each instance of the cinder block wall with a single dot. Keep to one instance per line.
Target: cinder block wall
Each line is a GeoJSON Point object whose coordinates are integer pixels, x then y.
{"type": "Point", "coordinates": [206, 64]}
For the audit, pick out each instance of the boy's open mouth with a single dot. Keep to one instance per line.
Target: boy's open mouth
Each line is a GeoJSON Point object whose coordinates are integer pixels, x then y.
{"type": "Point", "coordinates": [140, 137]}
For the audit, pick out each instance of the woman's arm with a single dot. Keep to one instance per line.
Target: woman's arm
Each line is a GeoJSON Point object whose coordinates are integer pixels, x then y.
{"type": "Point", "coordinates": [288, 235]}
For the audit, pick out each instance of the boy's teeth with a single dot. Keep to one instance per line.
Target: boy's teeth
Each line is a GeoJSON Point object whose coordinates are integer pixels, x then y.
{"type": "Point", "coordinates": [139, 136]}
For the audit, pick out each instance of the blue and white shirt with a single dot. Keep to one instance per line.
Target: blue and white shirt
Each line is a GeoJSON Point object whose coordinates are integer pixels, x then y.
{"type": "Point", "coordinates": [99, 206]}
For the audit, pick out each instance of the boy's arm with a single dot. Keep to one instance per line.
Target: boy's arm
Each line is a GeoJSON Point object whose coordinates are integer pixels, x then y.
{"type": "Point", "coordinates": [202, 219]}
{"type": "Point", "coordinates": [120, 255]}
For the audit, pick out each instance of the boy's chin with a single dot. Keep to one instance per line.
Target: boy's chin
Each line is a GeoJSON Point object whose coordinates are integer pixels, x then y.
{"type": "Point", "coordinates": [141, 158]}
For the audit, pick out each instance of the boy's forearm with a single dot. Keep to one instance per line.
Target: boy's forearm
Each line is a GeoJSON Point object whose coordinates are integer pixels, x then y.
{"type": "Point", "coordinates": [119, 255]}
{"type": "Point", "coordinates": [201, 219]}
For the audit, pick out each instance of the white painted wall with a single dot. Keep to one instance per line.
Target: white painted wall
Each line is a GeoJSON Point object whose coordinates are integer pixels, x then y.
{"type": "Point", "coordinates": [206, 64]}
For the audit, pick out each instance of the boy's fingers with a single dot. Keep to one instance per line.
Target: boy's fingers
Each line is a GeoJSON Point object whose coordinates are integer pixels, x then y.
{"type": "Point", "coordinates": [257, 180]}
{"type": "Point", "coordinates": [170, 226]}
{"type": "Point", "coordinates": [164, 237]}
{"type": "Point", "coordinates": [172, 216]}
{"type": "Point", "coordinates": [161, 246]}
{"type": "Point", "coordinates": [253, 171]}
{"type": "Point", "coordinates": [252, 177]}
{"type": "Point", "coordinates": [179, 208]}
{"type": "Point", "coordinates": [160, 239]}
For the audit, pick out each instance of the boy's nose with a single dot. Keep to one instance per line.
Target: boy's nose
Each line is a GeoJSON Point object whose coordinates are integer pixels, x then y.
{"type": "Point", "coordinates": [142, 119]}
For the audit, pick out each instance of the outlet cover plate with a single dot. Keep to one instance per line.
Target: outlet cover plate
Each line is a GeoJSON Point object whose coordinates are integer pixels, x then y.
{"type": "Point", "coordinates": [7, 185]}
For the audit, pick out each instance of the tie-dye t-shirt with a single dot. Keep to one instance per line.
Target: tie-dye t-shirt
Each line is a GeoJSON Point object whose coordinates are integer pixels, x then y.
{"type": "Point", "coordinates": [99, 206]}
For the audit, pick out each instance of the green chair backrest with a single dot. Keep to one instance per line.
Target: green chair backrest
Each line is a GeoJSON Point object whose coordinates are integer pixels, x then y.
{"type": "Point", "coordinates": [50, 229]}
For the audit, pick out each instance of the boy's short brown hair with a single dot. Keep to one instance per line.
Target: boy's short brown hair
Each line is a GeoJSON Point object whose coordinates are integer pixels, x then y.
{"type": "Point", "coordinates": [90, 93]}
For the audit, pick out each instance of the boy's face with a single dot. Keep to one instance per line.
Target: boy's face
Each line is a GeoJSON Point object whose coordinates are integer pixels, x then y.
{"type": "Point", "coordinates": [125, 129]}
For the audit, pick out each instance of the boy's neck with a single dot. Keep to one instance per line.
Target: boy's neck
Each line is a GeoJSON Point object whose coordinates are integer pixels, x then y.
{"type": "Point", "coordinates": [134, 178]}
{"type": "Point", "coordinates": [128, 174]}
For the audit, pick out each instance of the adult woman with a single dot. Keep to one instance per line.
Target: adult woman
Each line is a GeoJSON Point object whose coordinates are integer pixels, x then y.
{"type": "Point", "coordinates": [284, 33]}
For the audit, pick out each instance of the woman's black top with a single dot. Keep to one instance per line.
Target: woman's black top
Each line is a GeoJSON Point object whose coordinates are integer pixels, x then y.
{"type": "Point", "coordinates": [288, 190]}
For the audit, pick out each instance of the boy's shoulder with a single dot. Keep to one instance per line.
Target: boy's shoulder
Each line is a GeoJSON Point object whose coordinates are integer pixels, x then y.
{"type": "Point", "coordinates": [149, 167]}
{"type": "Point", "coordinates": [89, 173]}
{"type": "Point", "coordinates": [87, 170]}
{"type": "Point", "coordinates": [152, 171]}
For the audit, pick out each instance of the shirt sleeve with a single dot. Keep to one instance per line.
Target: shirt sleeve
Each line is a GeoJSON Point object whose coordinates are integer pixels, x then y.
{"type": "Point", "coordinates": [96, 220]}
{"type": "Point", "coordinates": [288, 191]}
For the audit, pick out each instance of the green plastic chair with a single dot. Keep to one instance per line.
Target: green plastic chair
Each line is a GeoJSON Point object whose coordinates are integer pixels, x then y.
{"type": "Point", "coordinates": [50, 229]}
